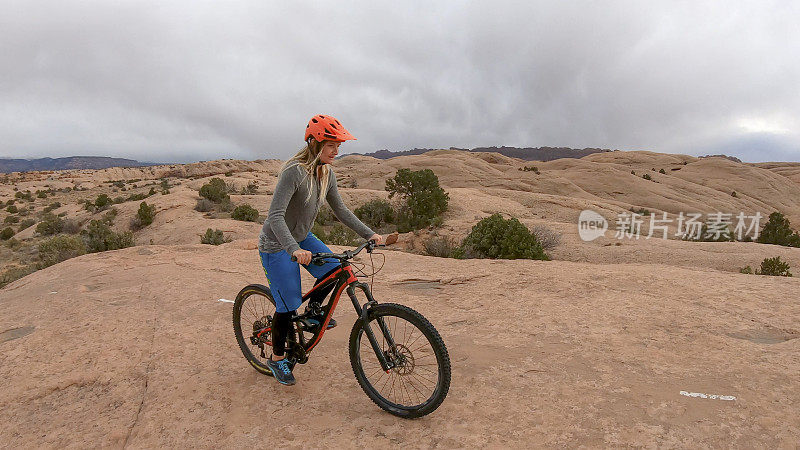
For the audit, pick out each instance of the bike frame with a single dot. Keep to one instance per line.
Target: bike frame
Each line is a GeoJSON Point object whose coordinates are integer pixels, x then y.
{"type": "Point", "coordinates": [343, 278]}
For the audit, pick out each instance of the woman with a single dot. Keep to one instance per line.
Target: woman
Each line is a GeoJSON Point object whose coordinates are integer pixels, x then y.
{"type": "Point", "coordinates": [295, 204]}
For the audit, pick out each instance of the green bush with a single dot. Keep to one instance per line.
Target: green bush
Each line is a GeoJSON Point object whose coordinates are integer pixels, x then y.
{"type": "Point", "coordinates": [12, 209]}
{"type": "Point", "coordinates": [342, 235]}
{"type": "Point", "coordinates": [215, 190]}
{"type": "Point", "coordinates": [102, 202]}
{"type": "Point", "coordinates": [746, 270]}
{"type": "Point", "coordinates": [423, 201]}
{"type": "Point", "coordinates": [375, 213]}
{"type": "Point", "coordinates": [25, 224]}
{"type": "Point", "coordinates": [778, 232]}
{"type": "Point", "coordinates": [647, 177]}
{"type": "Point", "coordinates": [662, 171]}
{"type": "Point", "coordinates": [496, 237]}
{"type": "Point", "coordinates": [325, 216]}
{"type": "Point", "coordinates": [641, 211]}
{"type": "Point", "coordinates": [99, 237]}
{"type": "Point", "coordinates": [246, 213]}
{"type": "Point", "coordinates": [213, 237]}
{"type": "Point", "coordinates": [52, 206]}
{"type": "Point", "coordinates": [50, 224]}
{"type": "Point", "coordinates": [11, 219]}
{"type": "Point", "coordinates": [774, 267]}
{"type": "Point", "coordinates": [24, 195]}
{"type": "Point", "coordinates": [41, 194]}
{"type": "Point", "coordinates": [6, 234]}
{"type": "Point", "coordinates": [60, 248]}
{"type": "Point", "coordinates": [15, 273]}
{"type": "Point", "coordinates": [733, 194]}
{"type": "Point", "coordinates": [144, 216]}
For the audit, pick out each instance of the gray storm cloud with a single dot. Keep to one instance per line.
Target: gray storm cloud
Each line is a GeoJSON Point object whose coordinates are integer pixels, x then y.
{"type": "Point", "coordinates": [180, 80]}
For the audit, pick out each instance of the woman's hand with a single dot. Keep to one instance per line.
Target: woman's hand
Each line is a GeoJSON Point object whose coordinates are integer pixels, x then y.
{"type": "Point", "coordinates": [377, 238]}
{"type": "Point", "coordinates": [303, 256]}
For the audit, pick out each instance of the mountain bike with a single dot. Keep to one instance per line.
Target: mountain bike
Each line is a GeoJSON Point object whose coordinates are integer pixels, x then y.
{"type": "Point", "coordinates": [397, 356]}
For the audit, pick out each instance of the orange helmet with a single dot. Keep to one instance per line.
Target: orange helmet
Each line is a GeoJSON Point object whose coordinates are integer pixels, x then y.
{"type": "Point", "coordinates": [327, 128]}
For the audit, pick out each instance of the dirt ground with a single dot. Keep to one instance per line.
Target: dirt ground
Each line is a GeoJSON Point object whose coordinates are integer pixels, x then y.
{"type": "Point", "coordinates": [132, 348]}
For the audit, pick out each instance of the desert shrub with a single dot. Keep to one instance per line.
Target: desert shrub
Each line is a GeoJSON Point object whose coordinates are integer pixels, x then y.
{"type": "Point", "coordinates": [102, 202]}
{"type": "Point", "coordinates": [144, 216]}
{"type": "Point", "coordinates": [6, 234]}
{"type": "Point", "coordinates": [136, 197]}
{"type": "Point", "coordinates": [15, 274]}
{"type": "Point", "coordinates": [151, 192]}
{"type": "Point", "coordinates": [777, 231]}
{"type": "Point", "coordinates": [633, 172]}
{"type": "Point", "coordinates": [52, 206]}
{"type": "Point", "coordinates": [11, 219]}
{"type": "Point", "coordinates": [12, 209]}
{"type": "Point", "coordinates": [109, 216]}
{"type": "Point", "coordinates": [164, 185]}
{"type": "Point", "coordinates": [342, 235]}
{"type": "Point", "coordinates": [496, 237]}
{"type": "Point", "coordinates": [662, 171]}
{"type": "Point", "coordinates": [41, 194]}
{"type": "Point", "coordinates": [215, 190]}
{"type": "Point", "coordinates": [226, 205]}
{"type": "Point", "coordinates": [50, 224]}
{"type": "Point", "coordinates": [325, 216]}
{"type": "Point", "coordinates": [246, 213]}
{"type": "Point", "coordinates": [71, 226]}
{"type": "Point", "coordinates": [533, 169]}
{"type": "Point", "coordinates": [318, 231]}
{"type": "Point", "coordinates": [647, 177]}
{"type": "Point", "coordinates": [204, 205]}
{"type": "Point", "coordinates": [440, 246]}
{"type": "Point", "coordinates": [375, 213]}
{"type": "Point", "coordinates": [733, 194]}
{"type": "Point", "coordinates": [641, 211]}
{"type": "Point", "coordinates": [548, 238]}
{"type": "Point", "coordinates": [250, 189]}
{"type": "Point", "coordinates": [213, 237]}
{"type": "Point", "coordinates": [423, 201]}
{"type": "Point", "coordinates": [60, 248]}
{"type": "Point", "coordinates": [774, 267]}
{"type": "Point", "coordinates": [746, 269]}
{"type": "Point", "coordinates": [99, 237]}
{"type": "Point", "coordinates": [25, 224]}
{"type": "Point", "coordinates": [24, 195]}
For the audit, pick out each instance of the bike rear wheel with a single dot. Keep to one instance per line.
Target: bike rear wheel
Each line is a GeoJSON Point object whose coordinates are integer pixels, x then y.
{"type": "Point", "coordinates": [252, 312]}
{"type": "Point", "coordinates": [419, 382]}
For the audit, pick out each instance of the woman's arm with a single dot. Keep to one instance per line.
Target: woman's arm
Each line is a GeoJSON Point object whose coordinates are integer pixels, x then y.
{"type": "Point", "coordinates": [288, 181]}
{"type": "Point", "coordinates": [343, 213]}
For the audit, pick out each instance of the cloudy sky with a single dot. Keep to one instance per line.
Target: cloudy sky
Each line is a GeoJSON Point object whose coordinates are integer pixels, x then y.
{"type": "Point", "coordinates": [195, 80]}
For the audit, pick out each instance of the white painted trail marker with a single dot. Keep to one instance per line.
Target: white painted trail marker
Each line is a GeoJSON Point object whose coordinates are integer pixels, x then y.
{"type": "Point", "coordinates": [711, 396]}
{"type": "Point", "coordinates": [226, 301]}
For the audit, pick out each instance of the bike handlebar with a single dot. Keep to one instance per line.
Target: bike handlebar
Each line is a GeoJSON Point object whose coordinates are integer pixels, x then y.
{"type": "Point", "coordinates": [319, 258]}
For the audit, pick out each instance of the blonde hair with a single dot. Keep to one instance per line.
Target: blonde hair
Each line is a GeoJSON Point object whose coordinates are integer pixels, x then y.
{"type": "Point", "coordinates": [307, 159]}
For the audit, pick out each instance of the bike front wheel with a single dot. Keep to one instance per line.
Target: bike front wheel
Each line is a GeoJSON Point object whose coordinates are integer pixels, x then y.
{"type": "Point", "coordinates": [420, 378]}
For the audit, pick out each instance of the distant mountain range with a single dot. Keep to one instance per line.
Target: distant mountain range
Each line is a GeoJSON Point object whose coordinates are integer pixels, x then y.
{"type": "Point", "coordinates": [527, 153]}
{"type": "Point", "coordinates": [70, 162]}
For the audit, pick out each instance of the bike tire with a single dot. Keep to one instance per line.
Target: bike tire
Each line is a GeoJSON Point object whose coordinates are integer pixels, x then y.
{"type": "Point", "coordinates": [244, 294]}
{"type": "Point", "coordinates": [442, 385]}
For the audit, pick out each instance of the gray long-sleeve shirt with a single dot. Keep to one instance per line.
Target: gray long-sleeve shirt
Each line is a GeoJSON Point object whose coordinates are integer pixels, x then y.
{"type": "Point", "coordinates": [290, 218]}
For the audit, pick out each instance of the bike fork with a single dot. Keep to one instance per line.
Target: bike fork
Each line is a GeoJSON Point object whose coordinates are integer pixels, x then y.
{"type": "Point", "coordinates": [386, 365]}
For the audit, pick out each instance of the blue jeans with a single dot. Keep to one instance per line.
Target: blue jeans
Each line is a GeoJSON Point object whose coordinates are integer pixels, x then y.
{"type": "Point", "coordinates": [283, 274]}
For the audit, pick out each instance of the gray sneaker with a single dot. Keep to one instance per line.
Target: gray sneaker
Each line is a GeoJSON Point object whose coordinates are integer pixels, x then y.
{"type": "Point", "coordinates": [281, 371]}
